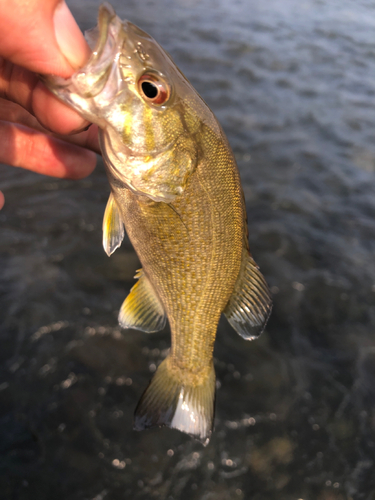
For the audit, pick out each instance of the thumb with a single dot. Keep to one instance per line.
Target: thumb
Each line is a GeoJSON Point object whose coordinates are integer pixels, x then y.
{"type": "Point", "coordinates": [42, 36]}
{"type": "Point", "coordinates": [69, 37]}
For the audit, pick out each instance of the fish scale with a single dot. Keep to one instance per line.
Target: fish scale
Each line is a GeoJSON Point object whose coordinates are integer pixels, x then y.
{"type": "Point", "coordinates": [211, 216]}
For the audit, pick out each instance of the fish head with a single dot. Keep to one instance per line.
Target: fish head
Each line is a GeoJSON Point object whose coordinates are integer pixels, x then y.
{"type": "Point", "coordinates": [149, 115]}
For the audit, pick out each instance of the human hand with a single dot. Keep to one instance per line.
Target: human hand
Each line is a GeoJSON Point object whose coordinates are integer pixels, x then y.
{"type": "Point", "coordinates": [37, 131]}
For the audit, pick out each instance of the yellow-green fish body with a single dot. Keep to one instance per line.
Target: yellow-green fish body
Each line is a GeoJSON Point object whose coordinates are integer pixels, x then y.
{"type": "Point", "coordinates": [176, 188]}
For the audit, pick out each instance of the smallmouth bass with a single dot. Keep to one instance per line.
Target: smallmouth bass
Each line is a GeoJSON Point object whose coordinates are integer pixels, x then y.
{"type": "Point", "coordinates": [176, 189]}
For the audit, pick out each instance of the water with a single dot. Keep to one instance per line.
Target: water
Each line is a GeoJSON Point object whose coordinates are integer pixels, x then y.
{"type": "Point", "coordinates": [292, 83]}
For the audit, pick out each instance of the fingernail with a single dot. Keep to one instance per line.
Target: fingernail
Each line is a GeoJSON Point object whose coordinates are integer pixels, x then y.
{"type": "Point", "coordinates": [69, 37]}
{"type": "Point", "coordinates": [80, 129]}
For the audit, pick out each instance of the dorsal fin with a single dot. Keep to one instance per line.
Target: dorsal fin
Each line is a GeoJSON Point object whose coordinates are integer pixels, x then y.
{"type": "Point", "coordinates": [250, 305]}
{"type": "Point", "coordinates": [113, 227]}
{"type": "Point", "coordinates": [142, 308]}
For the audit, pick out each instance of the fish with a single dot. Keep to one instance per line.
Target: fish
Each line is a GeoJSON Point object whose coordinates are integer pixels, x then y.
{"type": "Point", "coordinates": [176, 191]}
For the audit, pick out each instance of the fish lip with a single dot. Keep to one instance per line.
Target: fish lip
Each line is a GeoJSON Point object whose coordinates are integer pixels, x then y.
{"type": "Point", "coordinates": [105, 17]}
{"type": "Point", "coordinates": [105, 39]}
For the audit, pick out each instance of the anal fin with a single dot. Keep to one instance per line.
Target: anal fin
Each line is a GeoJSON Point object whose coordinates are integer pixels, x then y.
{"type": "Point", "coordinates": [179, 400]}
{"type": "Point", "coordinates": [250, 305]}
{"type": "Point", "coordinates": [142, 309]}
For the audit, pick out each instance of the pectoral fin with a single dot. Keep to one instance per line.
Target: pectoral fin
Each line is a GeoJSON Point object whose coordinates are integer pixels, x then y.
{"type": "Point", "coordinates": [142, 308]}
{"type": "Point", "coordinates": [113, 227]}
{"type": "Point", "coordinates": [250, 304]}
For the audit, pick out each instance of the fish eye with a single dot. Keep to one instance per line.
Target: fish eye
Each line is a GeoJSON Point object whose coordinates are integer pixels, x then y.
{"type": "Point", "coordinates": [153, 89]}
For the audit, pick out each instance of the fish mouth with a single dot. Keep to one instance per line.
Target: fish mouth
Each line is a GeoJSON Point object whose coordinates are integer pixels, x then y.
{"type": "Point", "coordinates": [105, 40]}
{"type": "Point", "coordinates": [97, 36]}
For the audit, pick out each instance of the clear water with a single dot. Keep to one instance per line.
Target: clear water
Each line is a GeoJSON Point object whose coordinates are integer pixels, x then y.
{"type": "Point", "coordinates": [292, 82]}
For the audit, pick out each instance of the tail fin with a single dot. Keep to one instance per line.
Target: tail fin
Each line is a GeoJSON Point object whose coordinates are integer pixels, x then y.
{"type": "Point", "coordinates": [178, 401]}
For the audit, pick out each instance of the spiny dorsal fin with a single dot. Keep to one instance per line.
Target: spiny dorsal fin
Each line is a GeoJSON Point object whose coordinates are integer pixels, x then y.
{"type": "Point", "coordinates": [250, 305]}
{"type": "Point", "coordinates": [142, 308]}
{"type": "Point", "coordinates": [178, 401]}
{"type": "Point", "coordinates": [113, 227]}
